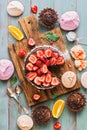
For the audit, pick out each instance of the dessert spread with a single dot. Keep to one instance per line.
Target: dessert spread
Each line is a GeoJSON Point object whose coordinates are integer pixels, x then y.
{"type": "Point", "coordinates": [69, 20]}
{"type": "Point", "coordinates": [37, 65]}
{"type": "Point", "coordinates": [41, 115]}
{"type": "Point", "coordinates": [71, 36]}
{"type": "Point", "coordinates": [76, 101]}
{"type": "Point", "coordinates": [68, 79]}
{"type": "Point", "coordinates": [83, 80]}
{"type": "Point", "coordinates": [77, 52]}
{"type": "Point", "coordinates": [6, 69]}
{"type": "Point", "coordinates": [80, 64]}
{"type": "Point", "coordinates": [15, 8]}
{"type": "Point", "coordinates": [25, 122]}
{"type": "Point", "coordinates": [48, 17]}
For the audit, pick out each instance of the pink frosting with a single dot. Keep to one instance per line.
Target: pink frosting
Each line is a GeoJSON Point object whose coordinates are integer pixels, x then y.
{"type": "Point", "coordinates": [69, 20]}
{"type": "Point", "coordinates": [6, 69]}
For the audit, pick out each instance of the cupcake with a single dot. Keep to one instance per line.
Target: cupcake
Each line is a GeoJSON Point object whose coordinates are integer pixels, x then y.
{"type": "Point", "coordinates": [48, 17]}
{"type": "Point", "coordinates": [76, 101]}
{"type": "Point", "coordinates": [41, 115]}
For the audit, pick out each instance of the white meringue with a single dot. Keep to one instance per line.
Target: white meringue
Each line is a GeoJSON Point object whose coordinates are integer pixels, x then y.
{"type": "Point", "coordinates": [69, 20]}
{"type": "Point", "coordinates": [15, 8]}
{"type": "Point", "coordinates": [25, 122]}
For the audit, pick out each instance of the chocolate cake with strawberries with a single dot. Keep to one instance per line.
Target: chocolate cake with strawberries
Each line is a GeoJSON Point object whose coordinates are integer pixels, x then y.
{"type": "Point", "coordinates": [37, 65]}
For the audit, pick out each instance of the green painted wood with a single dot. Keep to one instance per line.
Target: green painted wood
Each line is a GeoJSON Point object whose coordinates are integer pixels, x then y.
{"type": "Point", "coordinates": [8, 107]}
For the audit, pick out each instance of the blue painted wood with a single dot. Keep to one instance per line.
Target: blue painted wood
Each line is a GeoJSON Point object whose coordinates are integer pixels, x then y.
{"type": "Point", "coordinates": [8, 107]}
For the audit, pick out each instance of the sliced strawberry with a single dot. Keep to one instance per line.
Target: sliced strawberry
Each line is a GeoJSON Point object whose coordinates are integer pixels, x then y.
{"type": "Point", "coordinates": [36, 97]}
{"type": "Point", "coordinates": [47, 62]}
{"type": "Point", "coordinates": [53, 61]}
{"type": "Point", "coordinates": [60, 60]}
{"type": "Point", "coordinates": [43, 59]}
{"type": "Point", "coordinates": [31, 42]}
{"type": "Point", "coordinates": [32, 58]}
{"type": "Point", "coordinates": [29, 67]}
{"type": "Point", "coordinates": [48, 78]}
{"type": "Point", "coordinates": [40, 53]}
{"type": "Point", "coordinates": [42, 78]}
{"type": "Point", "coordinates": [46, 84]}
{"type": "Point", "coordinates": [49, 72]}
{"type": "Point", "coordinates": [39, 63]}
{"type": "Point", "coordinates": [39, 72]}
{"type": "Point", "coordinates": [55, 55]}
{"type": "Point", "coordinates": [48, 53]}
{"type": "Point", "coordinates": [35, 68]}
{"type": "Point", "coordinates": [44, 69]}
{"type": "Point", "coordinates": [55, 81]}
{"type": "Point", "coordinates": [37, 81]}
{"type": "Point", "coordinates": [31, 75]}
{"type": "Point", "coordinates": [34, 9]}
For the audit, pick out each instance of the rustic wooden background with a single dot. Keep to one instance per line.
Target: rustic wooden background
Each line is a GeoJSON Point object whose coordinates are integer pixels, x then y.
{"type": "Point", "coordinates": [8, 107]}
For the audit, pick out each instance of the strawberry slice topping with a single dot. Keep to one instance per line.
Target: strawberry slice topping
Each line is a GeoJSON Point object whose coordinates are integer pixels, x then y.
{"type": "Point", "coordinates": [32, 58]}
{"type": "Point", "coordinates": [31, 75]}
{"type": "Point", "coordinates": [35, 68]}
{"type": "Point", "coordinates": [42, 78]}
{"type": "Point", "coordinates": [39, 63]}
{"type": "Point", "coordinates": [37, 81]}
{"type": "Point", "coordinates": [55, 81]}
{"type": "Point", "coordinates": [60, 60]}
{"type": "Point", "coordinates": [48, 78]}
{"type": "Point", "coordinates": [55, 54]}
{"type": "Point", "coordinates": [29, 67]}
{"type": "Point", "coordinates": [40, 53]}
{"type": "Point", "coordinates": [44, 69]}
{"type": "Point", "coordinates": [53, 61]}
{"type": "Point", "coordinates": [48, 53]}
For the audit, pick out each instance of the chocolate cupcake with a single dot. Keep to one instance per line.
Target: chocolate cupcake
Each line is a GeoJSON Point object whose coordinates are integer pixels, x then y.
{"type": "Point", "coordinates": [41, 115]}
{"type": "Point", "coordinates": [48, 17]}
{"type": "Point", "coordinates": [76, 101]}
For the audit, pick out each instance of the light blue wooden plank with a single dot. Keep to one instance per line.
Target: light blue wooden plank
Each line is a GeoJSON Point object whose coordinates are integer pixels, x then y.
{"type": "Point", "coordinates": [82, 30]}
{"type": "Point", "coordinates": [3, 112]}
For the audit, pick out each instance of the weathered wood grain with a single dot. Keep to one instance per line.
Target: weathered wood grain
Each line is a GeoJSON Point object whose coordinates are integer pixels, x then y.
{"type": "Point", "coordinates": [68, 119]}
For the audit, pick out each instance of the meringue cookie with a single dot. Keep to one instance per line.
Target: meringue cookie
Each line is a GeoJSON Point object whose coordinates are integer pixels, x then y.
{"type": "Point", "coordinates": [68, 79]}
{"type": "Point", "coordinates": [71, 36]}
{"type": "Point", "coordinates": [69, 20]}
{"type": "Point", "coordinates": [15, 8]}
{"type": "Point", "coordinates": [6, 69]}
{"type": "Point", "coordinates": [83, 80]}
{"type": "Point", "coordinates": [25, 122]}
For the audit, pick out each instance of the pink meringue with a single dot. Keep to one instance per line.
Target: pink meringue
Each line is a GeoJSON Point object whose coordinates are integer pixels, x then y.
{"type": "Point", "coordinates": [69, 20]}
{"type": "Point", "coordinates": [6, 69]}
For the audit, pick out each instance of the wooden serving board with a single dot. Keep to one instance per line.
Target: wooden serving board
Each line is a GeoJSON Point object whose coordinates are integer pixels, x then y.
{"type": "Point", "coordinates": [30, 27]}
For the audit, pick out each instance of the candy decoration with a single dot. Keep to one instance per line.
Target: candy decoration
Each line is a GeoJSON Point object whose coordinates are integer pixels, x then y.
{"type": "Point", "coordinates": [57, 126]}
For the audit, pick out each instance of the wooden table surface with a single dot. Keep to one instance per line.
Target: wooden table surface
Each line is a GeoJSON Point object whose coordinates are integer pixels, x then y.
{"type": "Point", "coordinates": [8, 107]}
